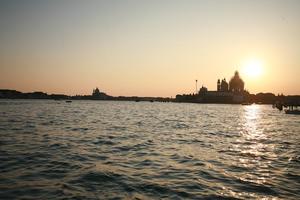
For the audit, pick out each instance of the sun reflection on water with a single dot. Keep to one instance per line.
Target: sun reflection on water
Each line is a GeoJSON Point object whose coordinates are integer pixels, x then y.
{"type": "Point", "coordinates": [253, 135]}
{"type": "Point", "coordinates": [253, 152]}
{"type": "Point", "coordinates": [252, 116]}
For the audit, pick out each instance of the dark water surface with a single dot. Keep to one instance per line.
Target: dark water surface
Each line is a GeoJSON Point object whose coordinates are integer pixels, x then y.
{"type": "Point", "coordinates": [128, 150]}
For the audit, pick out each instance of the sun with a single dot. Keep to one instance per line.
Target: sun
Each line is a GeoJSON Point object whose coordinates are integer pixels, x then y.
{"type": "Point", "coordinates": [253, 68]}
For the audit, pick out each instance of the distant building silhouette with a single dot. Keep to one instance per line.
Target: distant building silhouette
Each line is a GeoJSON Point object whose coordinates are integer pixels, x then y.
{"type": "Point", "coordinates": [96, 92]}
{"type": "Point", "coordinates": [236, 84]}
{"type": "Point", "coordinates": [222, 86]}
{"type": "Point", "coordinates": [218, 85]}
{"type": "Point", "coordinates": [203, 90]}
{"type": "Point", "coordinates": [99, 95]}
{"type": "Point", "coordinates": [225, 93]}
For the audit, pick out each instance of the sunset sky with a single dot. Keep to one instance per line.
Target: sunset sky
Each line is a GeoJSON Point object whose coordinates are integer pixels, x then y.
{"type": "Point", "coordinates": [148, 48]}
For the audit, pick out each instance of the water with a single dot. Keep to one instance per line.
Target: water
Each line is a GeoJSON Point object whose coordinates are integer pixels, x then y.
{"type": "Point", "coordinates": [128, 150]}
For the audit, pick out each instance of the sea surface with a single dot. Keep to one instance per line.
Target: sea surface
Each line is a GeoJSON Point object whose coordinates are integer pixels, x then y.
{"type": "Point", "coordinates": [141, 150]}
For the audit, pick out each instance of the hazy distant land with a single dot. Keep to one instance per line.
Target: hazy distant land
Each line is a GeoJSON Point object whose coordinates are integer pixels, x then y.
{"type": "Point", "coordinates": [259, 98]}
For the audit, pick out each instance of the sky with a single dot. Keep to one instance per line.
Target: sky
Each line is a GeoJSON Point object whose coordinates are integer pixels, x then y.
{"type": "Point", "coordinates": [148, 47]}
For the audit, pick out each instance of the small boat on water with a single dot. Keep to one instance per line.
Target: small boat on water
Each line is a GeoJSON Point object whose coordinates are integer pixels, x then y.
{"type": "Point", "coordinates": [294, 112]}
{"type": "Point", "coordinates": [246, 104]}
{"type": "Point", "coordinates": [68, 101]}
{"type": "Point", "coordinates": [291, 107]}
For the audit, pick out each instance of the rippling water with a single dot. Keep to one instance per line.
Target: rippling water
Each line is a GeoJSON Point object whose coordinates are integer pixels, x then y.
{"type": "Point", "coordinates": [116, 150]}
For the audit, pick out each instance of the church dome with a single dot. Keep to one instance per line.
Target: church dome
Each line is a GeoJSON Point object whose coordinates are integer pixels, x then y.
{"type": "Point", "coordinates": [236, 84]}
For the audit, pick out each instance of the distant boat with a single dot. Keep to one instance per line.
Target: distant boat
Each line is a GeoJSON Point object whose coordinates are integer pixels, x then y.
{"type": "Point", "coordinates": [68, 101]}
{"type": "Point", "coordinates": [246, 104]}
{"type": "Point", "coordinates": [292, 107]}
{"type": "Point", "coordinates": [294, 112]}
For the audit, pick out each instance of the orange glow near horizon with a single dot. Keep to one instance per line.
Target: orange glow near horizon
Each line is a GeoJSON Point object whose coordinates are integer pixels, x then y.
{"type": "Point", "coordinates": [148, 48]}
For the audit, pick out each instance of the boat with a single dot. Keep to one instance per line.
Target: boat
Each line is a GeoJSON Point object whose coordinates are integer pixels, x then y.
{"type": "Point", "coordinates": [294, 112]}
{"type": "Point", "coordinates": [246, 104]}
{"type": "Point", "coordinates": [292, 109]}
{"type": "Point", "coordinates": [68, 101]}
